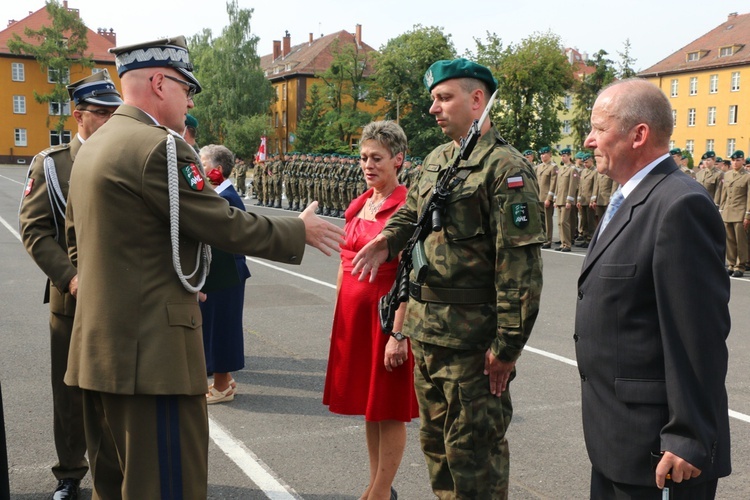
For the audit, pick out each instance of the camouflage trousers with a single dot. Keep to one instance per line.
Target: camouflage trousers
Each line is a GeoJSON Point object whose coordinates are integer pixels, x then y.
{"type": "Point", "coordinates": [462, 425]}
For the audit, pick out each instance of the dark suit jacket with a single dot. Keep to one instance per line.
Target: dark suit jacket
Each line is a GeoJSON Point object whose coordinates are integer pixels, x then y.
{"type": "Point", "coordinates": [137, 330]}
{"type": "Point", "coordinates": [652, 364]}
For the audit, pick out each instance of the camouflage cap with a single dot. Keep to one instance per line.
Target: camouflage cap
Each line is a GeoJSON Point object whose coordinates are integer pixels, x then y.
{"type": "Point", "coordinates": [738, 154]}
{"type": "Point", "coordinates": [443, 70]}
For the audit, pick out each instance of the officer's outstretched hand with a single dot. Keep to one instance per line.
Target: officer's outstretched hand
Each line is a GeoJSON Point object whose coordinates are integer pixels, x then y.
{"type": "Point", "coordinates": [321, 234]}
{"type": "Point", "coordinates": [368, 260]}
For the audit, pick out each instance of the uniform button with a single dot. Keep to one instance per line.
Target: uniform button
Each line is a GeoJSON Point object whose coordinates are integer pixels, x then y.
{"type": "Point", "coordinates": [583, 378]}
{"type": "Point", "coordinates": [580, 294]}
{"type": "Point", "coordinates": [293, 258]}
{"type": "Point", "coordinates": [192, 321]}
{"type": "Point", "coordinates": [575, 337]}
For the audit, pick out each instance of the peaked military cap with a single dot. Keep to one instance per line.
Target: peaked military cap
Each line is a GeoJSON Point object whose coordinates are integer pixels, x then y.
{"type": "Point", "coordinates": [443, 70]}
{"type": "Point", "coordinates": [565, 151]}
{"type": "Point", "coordinates": [163, 53]}
{"type": "Point", "coordinates": [96, 89]}
{"type": "Point", "coordinates": [708, 154]}
{"type": "Point", "coordinates": [738, 154]}
{"type": "Point", "coordinates": [675, 151]}
{"type": "Point", "coordinates": [544, 149]}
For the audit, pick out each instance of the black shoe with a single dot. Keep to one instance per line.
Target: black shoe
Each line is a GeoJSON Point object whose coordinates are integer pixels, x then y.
{"type": "Point", "coordinates": [546, 245]}
{"type": "Point", "coordinates": [585, 244]}
{"type": "Point", "coordinates": [558, 249]}
{"type": "Point", "coordinates": [394, 495]}
{"type": "Point", "coordinates": [558, 242]}
{"type": "Point", "coordinates": [565, 249]}
{"type": "Point", "coordinates": [730, 272]}
{"type": "Point", "coordinates": [67, 489]}
{"type": "Point", "coordinates": [738, 274]}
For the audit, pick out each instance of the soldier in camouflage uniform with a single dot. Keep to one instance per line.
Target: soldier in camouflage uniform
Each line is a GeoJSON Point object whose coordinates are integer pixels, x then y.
{"type": "Point", "coordinates": [258, 180]}
{"type": "Point", "coordinates": [481, 295]}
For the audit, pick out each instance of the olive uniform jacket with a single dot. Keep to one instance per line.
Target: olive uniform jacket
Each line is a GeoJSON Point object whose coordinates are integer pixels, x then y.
{"type": "Point", "coordinates": [43, 225]}
{"type": "Point", "coordinates": [546, 174]}
{"type": "Point", "coordinates": [735, 196]}
{"type": "Point", "coordinates": [567, 185]}
{"type": "Point", "coordinates": [652, 365]}
{"type": "Point", "coordinates": [137, 330]}
{"type": "Point", "coordinates": [711, 180]}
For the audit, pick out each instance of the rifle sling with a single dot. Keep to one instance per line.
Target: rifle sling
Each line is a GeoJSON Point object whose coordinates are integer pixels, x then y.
{"type": "Point", "coordinates": [424, 293]}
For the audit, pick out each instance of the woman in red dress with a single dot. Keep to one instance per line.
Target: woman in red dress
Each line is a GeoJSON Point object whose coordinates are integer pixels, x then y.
{"type": "Point", "coordinates": [370, 373]}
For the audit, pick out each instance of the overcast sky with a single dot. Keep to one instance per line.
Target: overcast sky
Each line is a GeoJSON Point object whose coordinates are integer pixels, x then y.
{"type": "Point", "coordinates": [656, 28]}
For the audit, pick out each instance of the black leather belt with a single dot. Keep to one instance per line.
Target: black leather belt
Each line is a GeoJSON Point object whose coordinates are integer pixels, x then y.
{"type": "Point", "coordinates": [424, 293]}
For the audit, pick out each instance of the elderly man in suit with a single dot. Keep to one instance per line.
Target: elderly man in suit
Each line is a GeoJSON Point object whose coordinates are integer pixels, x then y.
{"type": "Point", "coordinates": [139, 217]}
{"type": "Point", "coordinates": [652, 367]}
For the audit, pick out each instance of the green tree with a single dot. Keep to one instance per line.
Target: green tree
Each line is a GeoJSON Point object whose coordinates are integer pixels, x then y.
{"type": "Point", "coordinates": [585, 93]}
{"type": "Point", "coordinates": [533, 77]}
{"type": "Point", "coordinates": [346, 87]}
{"type": "Point", "coordinates": [312, 124]}
{"type": "Point", "coordinates": [243, 137]}
{"type": "Point", "coordinates": [57, 48]}
{"type": "Point", "coordinates": [400, 69]}
{"type": "Point", "coordinates": [228, 67]}
{"type": "Point", "coordinates": [626, 62]}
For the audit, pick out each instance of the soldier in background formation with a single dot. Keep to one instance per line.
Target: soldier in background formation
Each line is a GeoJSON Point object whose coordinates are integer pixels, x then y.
{"type": "Point", "coordinates": [546, 174]}
{"type": "Point", "coordinates": [710, 177]}
{"type": "Point", "coordinates": [334, 180]}
{"type": "Point", "coordinates": [566, 192]}
{"type": "Point", "coordinates": [240, 176]}
{"type": "Point", "coordinates": [586, 213]}
{"type": "Point", "coordinates": [735, 212]}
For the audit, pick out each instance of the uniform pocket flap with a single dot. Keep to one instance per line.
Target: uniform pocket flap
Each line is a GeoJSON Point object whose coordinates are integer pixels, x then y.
{"type": "Point", "coordinates": [185, 314]}
{"type": "Point", "coordinates": [641, 391]}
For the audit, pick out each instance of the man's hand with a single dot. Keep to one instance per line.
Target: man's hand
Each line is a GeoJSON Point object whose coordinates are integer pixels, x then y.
{"type": "Point", "coordinates": [498, 371]}
{"type": "Point", "coordinates": [321, 234]}
{"type": "Point", "coordinates": [73, 286]}
{"type": "Point", "coordinates": [396, 354]}
{"type": "Point", "coordinates": [368, 260]}
{"type": "Point", "coordinates": [746, 224]}
{"type": "Point", "coordinates": [679, 469]}
{"type": "Point", "coordinates": [547, 203]}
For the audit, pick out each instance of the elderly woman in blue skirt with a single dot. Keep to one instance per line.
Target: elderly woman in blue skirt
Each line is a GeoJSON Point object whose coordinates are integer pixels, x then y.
{"type": "Point", "coordinates": [222, 310]}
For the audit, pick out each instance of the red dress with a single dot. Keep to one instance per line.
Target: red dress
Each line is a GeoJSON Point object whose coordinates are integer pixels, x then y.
{"type": "Point", "coordinates": [357, 382]}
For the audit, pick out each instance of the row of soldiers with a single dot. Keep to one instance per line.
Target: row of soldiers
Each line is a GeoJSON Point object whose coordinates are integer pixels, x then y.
{"type": "Point", "coordinates": [578, 192]}
{"type": "Point", "coordinates": [334, 180]}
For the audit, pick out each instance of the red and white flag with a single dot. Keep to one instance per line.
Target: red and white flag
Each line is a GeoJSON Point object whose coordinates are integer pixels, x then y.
{"type": "Point", "coordinates": [261, 154]}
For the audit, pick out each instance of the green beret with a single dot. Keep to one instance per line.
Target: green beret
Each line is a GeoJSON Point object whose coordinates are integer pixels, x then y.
{"type": "Point", "coordinates": [719, 159]}
{"type": "Point", "coordinates": [708, 154]}
{"type": "Point", "coordinates": [458, 68]}
{"type": "Point", "coordinates": [565, 151]}
{"type": "Point", "coordinates": [528, 152]}
{"type": "Point", "coordinates": [738, 154]}
{"type": "Point", "coordinates": [579, 155]}
{"type": "Point", "coordinates": [190, 121]}
{"type": "Point", "coordinates": [675, 151]}
{"type": "Point", "coordinates": [544, 149]}
{"type": "Point", "coordinates": [585, 156]}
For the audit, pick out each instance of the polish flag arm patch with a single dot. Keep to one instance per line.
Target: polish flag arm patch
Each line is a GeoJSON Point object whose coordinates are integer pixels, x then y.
{"type": "Point", "coordinates": [515, 182]}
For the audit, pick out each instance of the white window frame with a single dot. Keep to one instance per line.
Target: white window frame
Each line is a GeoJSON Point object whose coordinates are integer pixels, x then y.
{"type": "Point", "coordinates": [710, 143]}
{"type": "Point", "coordinates": [56, 108]}
{"type": "Point", "coordinates": [713, 85]}
{"type": "Point", "coordinates": [690, 145]}
{"type": "Point", "coordinates": [726, 51]}
{"type": "Point", "coordinates": [566, 127]}
{"type": "Point", "coordinates": [18, 72]}
{"type": "Point", "coordinates": [691, 117]}
{"type": "Point", "coordinates": [19, 104]}
{"type": "Point", "coordinates": [733, 111]}
{"type": "Point", "coordinates": [675, 86]}
{"type": "Point", "coordinates": [731, 146]}
{"type": "Point", "coordinates": [20, 138]}
{"type": "Point", "coordinates": [568, 101]}
{"type": "Point", "coordinates": [55, 137]}
{"type": "Point", "coordinates": [735, 87]}
{"type": "Point", "coordinates": [674, 118]}
{"type": "Point", "coordinates": [51, 75]}
{"type": "Point", "coordinates": [693, 85]}
{"type": "Point", "coordinates": [711, 115]}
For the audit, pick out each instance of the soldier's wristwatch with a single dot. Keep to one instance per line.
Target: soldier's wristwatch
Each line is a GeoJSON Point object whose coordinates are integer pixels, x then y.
{"type": "Point", "coordinates": [398, 336]}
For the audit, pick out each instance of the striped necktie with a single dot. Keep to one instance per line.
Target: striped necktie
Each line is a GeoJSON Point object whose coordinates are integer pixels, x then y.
{"type": "Point", "coordinates": [614, 204]}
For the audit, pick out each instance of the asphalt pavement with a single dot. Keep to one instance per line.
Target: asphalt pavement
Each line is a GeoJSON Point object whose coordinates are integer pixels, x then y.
{"type": "Point", "coordinates": [277, 440]}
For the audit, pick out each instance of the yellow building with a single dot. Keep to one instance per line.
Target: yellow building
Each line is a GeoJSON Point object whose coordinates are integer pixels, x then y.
{"type": "Point", "coordinates": [291, 71]}
{"type": "Point", "coordinates": [708, 85]}
{"type": "Point", "coordinates": [28, 127]}
{"type": "Point", "coordinates": [580, 70]}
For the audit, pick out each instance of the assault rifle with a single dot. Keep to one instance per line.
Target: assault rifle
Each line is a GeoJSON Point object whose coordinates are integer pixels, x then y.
{"type": "Point", "coordinates": [431, 219]}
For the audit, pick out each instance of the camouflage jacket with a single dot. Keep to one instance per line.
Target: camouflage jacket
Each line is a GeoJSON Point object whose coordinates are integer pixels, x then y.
{"type": "Point", "coordinates": [491, 240]}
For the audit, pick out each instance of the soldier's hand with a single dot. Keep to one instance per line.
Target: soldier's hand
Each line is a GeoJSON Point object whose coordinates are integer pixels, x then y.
{"type": "Point", "coordinates": [73, 286]}
{"type": "Point", "coordinates": [396, 354]}
{"type": "Point", "coordinates": [368, 260]}
{"type": "Point", "coordinates": [498, 372]}
{"type": "Point", "coordinates": [321, 234]}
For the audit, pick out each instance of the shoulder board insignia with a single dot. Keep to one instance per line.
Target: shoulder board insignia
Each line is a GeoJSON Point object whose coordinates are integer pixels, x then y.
{"type": "Point", "coordinates": [29, 187]}
{"type": "Point", "coordinates": [193, 176]}
{"type": "Point", "coordinates": [515, 182]}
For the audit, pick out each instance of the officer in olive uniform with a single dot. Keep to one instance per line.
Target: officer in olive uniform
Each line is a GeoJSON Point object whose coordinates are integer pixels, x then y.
{"type": "Point", "coordinates": [710, 177]}
{"type": "Point", "coordinates": [480, 297]}
{"type": "Point", "coordinates": [586, 214]}
{"type": "Point", "coordinates": [138, 210]}
{"type": "Point", "coordinates": [546, 173]}
{"type": "Point", "coordinates": [735, 212]}
{"type": "Point", "coordinates": [603, 189]}
{"type": "Point", "coordinates": [565, 199]}
{"type": "Point", "coordinates": [42, 223]}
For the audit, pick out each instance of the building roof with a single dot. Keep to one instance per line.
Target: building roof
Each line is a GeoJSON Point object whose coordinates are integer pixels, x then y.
{"type": "Point", "coordinates": [309, 58]}
{"type": "Point", "coordinates": [98, 43]}
{"type": "Point", "coordinates": [705, 52]}
{"type": "Point", "coordinates": [578, 61]}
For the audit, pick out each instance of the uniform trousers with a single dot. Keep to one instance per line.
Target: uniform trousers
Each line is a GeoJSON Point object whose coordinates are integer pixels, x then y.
{"type": "Point", "coordinates": [241, 184]}
{"type": "Point", "coordinates": [143, 446]}
{"type": "Point", "coordinates": [549, 214]}
{"type": "Point", "coordinates": [67, 405]}
{"type": "Point", "coordinates": [566, 219]}
{"type": "Point", "coordinates": [462, 425]}
{"type": "Point", "coordinates": [736, 245]}
{"type": "Point", "coordinates": [588, 222]}
{"type": "Point", "coordinates": [603, 488]}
